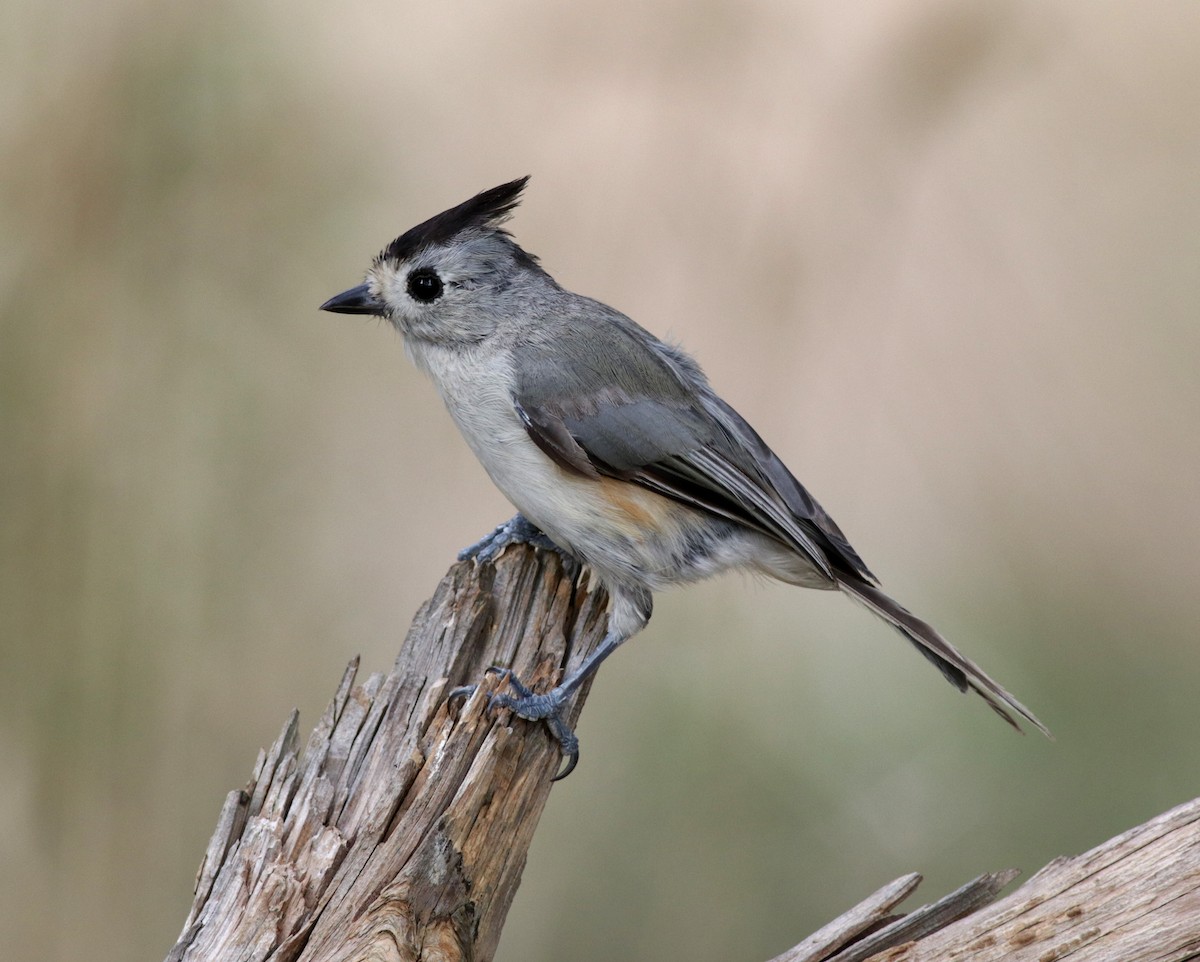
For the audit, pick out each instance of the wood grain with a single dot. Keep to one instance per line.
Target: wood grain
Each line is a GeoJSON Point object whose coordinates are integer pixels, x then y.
{"type": "Point", "coordinates": [401, 830]}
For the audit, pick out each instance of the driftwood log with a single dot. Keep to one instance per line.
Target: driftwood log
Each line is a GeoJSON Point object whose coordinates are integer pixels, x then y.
{"type": "Point", "coordinates": [401, 830]}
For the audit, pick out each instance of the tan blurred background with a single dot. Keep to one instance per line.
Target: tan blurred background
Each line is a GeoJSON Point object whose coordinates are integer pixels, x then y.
{"type": "Point", "coordinates": [945, 256]}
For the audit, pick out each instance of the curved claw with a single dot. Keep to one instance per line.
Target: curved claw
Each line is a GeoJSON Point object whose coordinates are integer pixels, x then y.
{"type": "Point", "coordinates": [527, 704]}
{"type": "Point", "coordinates": [466, 691]}
{"type": "Point", "coordinates": [487, 547]}
{"type": "Point", "coordinates": [463, 691]}
{"type": "Point", "coordinates": [516, 530]}
{"type": "Point", "coordinates": [568, 742]}
{"type": "Point", "coordinates": [572, 761]}
{"type": "Point", "coordinates": [515, 683]}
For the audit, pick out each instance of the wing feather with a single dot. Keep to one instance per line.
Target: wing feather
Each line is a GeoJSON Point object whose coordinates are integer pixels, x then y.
{"type": "Point", "coordinates": [656, 423]}
{"type": "Point", "coordinates": [667, 431]}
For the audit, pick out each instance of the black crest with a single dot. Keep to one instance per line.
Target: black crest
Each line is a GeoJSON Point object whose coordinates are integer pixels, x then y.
{"type": "Point", "coordinates": [485, 210]}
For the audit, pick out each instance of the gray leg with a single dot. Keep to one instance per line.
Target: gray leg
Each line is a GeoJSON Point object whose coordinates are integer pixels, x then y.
{"type": "Point", "coordinates": [551, 706]}
{"type": "Point", "coordinates": [629, 614]}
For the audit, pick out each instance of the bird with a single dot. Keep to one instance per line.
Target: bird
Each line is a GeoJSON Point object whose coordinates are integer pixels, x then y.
{"type": "Point", "coordinates": [611, 444]}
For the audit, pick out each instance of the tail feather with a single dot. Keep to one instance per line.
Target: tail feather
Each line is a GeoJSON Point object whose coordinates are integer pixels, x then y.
{"type": "Point", "coordinates": [959, 670]}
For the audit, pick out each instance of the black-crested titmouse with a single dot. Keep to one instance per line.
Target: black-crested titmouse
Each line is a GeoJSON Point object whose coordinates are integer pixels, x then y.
{"type": "Point", "coordinates": [610, 443]}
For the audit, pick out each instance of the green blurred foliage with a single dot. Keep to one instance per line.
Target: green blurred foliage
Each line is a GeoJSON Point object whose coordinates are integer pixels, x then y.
{"type": "Point", "coordinates": [943, 256]}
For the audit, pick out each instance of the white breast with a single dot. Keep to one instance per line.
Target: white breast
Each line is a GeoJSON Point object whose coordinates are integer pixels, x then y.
{"type": "Point", "coordinates": [626, 533]}
{"type": "Point", "coordinates": [476, 386]}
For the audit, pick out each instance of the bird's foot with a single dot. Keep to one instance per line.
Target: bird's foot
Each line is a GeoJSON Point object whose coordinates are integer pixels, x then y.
{"type": "Point", "coordinates": [527, 704]}
{"type": "Point", "coordinates": [516, 530]}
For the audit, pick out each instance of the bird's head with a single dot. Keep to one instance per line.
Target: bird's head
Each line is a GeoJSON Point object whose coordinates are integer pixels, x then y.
{"type": "Point", "coordinates": [450, 279]}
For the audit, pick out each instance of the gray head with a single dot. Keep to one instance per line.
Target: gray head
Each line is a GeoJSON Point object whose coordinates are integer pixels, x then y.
{"type": "Point", "coordinates": [448, 279]}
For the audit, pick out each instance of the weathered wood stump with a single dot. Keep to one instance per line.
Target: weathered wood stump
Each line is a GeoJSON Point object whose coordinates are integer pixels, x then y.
{"type": "Point", "coordinates": [401, 831]}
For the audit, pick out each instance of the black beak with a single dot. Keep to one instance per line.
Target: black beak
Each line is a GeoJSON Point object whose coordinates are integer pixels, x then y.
{"type": "Point", "coordinates": [357, 300]}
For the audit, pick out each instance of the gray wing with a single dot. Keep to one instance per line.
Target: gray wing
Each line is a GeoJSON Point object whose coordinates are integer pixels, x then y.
{"type": "Point", "coordinates": [644, 413]}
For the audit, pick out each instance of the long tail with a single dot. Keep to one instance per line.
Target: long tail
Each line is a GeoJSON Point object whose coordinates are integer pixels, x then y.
{"type": "Point", "coordinates": [959, 670]}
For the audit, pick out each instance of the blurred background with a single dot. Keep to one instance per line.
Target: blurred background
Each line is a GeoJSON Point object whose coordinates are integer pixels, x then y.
{"type": "Point", "coordinates": [946, 257]}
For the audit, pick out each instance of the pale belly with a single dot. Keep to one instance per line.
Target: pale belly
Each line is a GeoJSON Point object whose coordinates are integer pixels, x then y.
{"type": "Point", "coordinates": [626, 533]}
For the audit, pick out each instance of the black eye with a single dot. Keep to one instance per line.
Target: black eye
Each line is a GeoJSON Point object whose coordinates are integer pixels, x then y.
{"type": "Point", "coordinates": [424, 285]}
